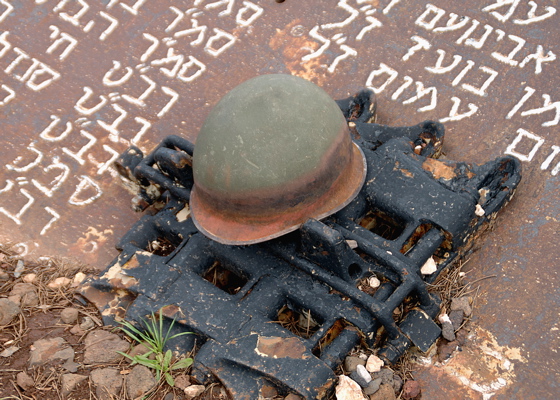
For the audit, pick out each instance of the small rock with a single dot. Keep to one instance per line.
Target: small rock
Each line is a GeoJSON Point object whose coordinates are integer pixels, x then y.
{"type": "Point", "coordinates": [269, 392]}
{"type": "Point", "coordinates": [9, 351]}
{"type": "Point", "coordinates": [397, 384]}
{"type": "Point", "coordinates": [24, 381]}
{"type": "Point", "coordinates": [447, 330]}
{"type": "Point", "coordinates": [194, 390]}
{"type": "Point", "coordinates": [445, 350]}
{"type": "Point", "coordinates": [19, 268]}
{"type": "Point", "coordinates": [59, 282]}
{"type": "Point", "coordinates": [70, 366]}
{"type": "Point", "coordinates": [373, 386]}
{"type": "Point", "coordinates": [456, 318]}
{"type": "Point", "coordinates": [29, 278]}
{"type": "Point", "coordinates": [462, 336]}
{"type": "Point", "coordinates": [374, 363]}
{"type": "Point", "coordinates": [463, 304]}
{"type": "Point", "coordinates": [411, 390]}
{"type": "Point", "coordinates": [52, 350]}
{"type": "Point", "coordinates": [69, 315]}
{"type": "Point", "coordinates": [139, 381]}
{"type": "Point", "coordinates": [429, 267]}
{"type": "Point", "coordinates": [352, 362]}
{"type": "Point", "coordinates": [292, 396]}
{"type": "Point", "coordinates": [4, 276]}
{"type": "Point", "coordinates": [385, 374]}
{"type": "Point", "coordinates": [361, 376]}
{"type": "Point", "coordinates": [182, 382]}
{"type": "Point", "coordinates": [70, 381]}
{"type": "Point", "coordinates": [27, 294]}
{"type": "Point", "coordinates": [8, 310]}
{"type": "Point", "coordinates": [374, 282]}
{"type": "Point", "coordinates": [76, 330]}
{"type": "Point", "coordinates": [169, 396]}
{"type": "Point", "coordinates": [78, 278]}
{"type": "Point", "coordinates": [141, 349]}
{"type": "Point", "coordinates": [102, 346]}
{"type": "Point", "coordinates": [385, 392]}
{"type": "Point", "coordinates": [347, 389]}
{"type": "Point", "coordinates": [107, 382]}
{"type": "Point", "coordinates": [87, 324]}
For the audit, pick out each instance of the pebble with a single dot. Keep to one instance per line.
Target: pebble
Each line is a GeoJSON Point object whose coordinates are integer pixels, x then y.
{"type": "Point", "coordinates": [29, 278]}
{"type": "Point", "coordinates": [385, 392]}
{"type": "Point", "coordinates": [102, 346]}
{"type": "Point", "coordinates": [78, 278]}
{"type": "Point", "coordinates": [24, 381]}
{"type": "Point", "coordinates": [194, 390]}
{"type": "Point", "coordinates": [397, 383]}
{"type": "Point", "coordinates": [361, 376]}
{"type": "Point", "coordinates": [386, 376]}
{"type": "Point", "coordinates": [352, 362]}
{"type": "Point", "coordinates": [347, 389]}
{"type": "Point", "coordinates": [87, 324]}
{"type": "Point", "coordinates": [139, 381]}
{"type": "Point", "coordinates": [8, 352]}
{"type": "Point", "coordinates": [8, 310]}
{"type": "Point", "coordinates": [182, 382]}
{"type": "Point", "coordinates": [70, 381]}
{"type": "Point", "coordinates": [445, 350]}
{"type": "Point", "coordinates": [25, 294]}
{"type": "Point", "coordinates": [45, 351]}
{"type": "Point", "coordinates": [19, 268]}
{"type": "Point", "coordinates": [107, 382]}
{"type": "Point", "coordinates": [59, 282]}
{"type": "Point", "coordinates": [4, 276]}
{"type": "Point", "coordinates": [373, 386]}
{"type": "Point", "coordinates": [269, 392]}
{"type": "Point", "coordinates": [169, 396]}
{"type": "Point", "coordinates": [456, 318]}
{"type": "Point", "coordinates": [447, 330]}
{"type": "Point", "coordinates": [69, 315]}
{"type": "Point", "coordinates": [374, 363]}
{"type": "Point", "coordinates": [76, 330]}
{"type": "Point", "coordinates": [411, 390]}
{"type": "Point", "coordinates": [429, 267]}
{"type": "Point", "coordinates": [463, 304]}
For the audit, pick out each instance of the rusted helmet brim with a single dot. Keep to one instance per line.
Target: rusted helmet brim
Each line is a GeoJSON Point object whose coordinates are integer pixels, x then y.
{"type": "Point", "coordinates": [231, 229]}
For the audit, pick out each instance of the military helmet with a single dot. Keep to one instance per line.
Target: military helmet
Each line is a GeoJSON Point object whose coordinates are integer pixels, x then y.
{"type": "Point", "coordinates": [274, 152]}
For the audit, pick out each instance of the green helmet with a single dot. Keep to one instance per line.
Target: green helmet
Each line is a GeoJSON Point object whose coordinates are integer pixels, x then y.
{"type": "Point", "coordinates": [274, 152]}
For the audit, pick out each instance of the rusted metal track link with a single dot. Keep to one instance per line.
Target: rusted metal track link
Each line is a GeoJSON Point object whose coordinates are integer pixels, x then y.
{"type": "Point", "coordinates": [240, 300]}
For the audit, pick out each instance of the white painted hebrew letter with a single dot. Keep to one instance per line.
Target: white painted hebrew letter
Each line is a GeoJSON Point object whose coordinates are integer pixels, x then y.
{"type": "Point", "coordinates": [547, 106]}
{"type": "Point", "coordinates": [407, 82]}
{"type": "Point", "coordinates": [145, 126]}
{"type": "Point", "coordinates": [134, 8]}
{"type": "Point", "coordinates": [462, 74]}
{"type": "Point", "coordinates": [64, 37]}
{"type": "Point", "coordinates": [421, 44]}
{"type": "Point", "coordinates": [41, 69]}
{"type": "Point", "coordinates": [112, 26]}
{"type": "Point", "coordinates": [373, 23]}
{"type": "Point", "coordinates": [439, 68]}
{"type": "Point", "coordinates": [105, 166]}
{"type": "Point", "coordinates": [83, 189]}
{"type": "Point", "coordinates": [549, 159]}
{"type": "Point", "coordinates": [529, 92]}
{"type": "Point", "coordinates": [55, 217]}
{"type": "Point", "coordinates": [451, 25]}
{"type": "Point", "coordinates": [73, 19]}
{"type": "Point", "coordinates": [539, 58]}
{"type": "Point", "coordinates": [174, 97]}
{"type": "Point", "coordinates": [251, 8]}
{"type": "Point", "coordinates": [113, 128]}
{"type": "Point", "coordinates": [421, 92]}
{"type": "Point", "coordinates": [17, 216]}
{"type": "Point", "coordinates": [348, 51]}
{"type": "Point", "coordinates": [107, 78]}
{"type": "Point", "coordinates": [178, 18]}
{"type": "Point", "coordinates": [550, 11]}
{"type": "Point", "coordinates": [139, 101]}
{"type": "Point", "coordinates": [454, 113]}
{"type": "Point", "coordinates": [501, 3]}
{"type": "Point", "coordinates": [170, 59]}
{"type": "Point", "coordinates": [78, 156]}
{"type": "Point", "coordinates": [155, 43]}
{"type": "Point", "coordinates": [476, 43]}
{"type": "Point", "coordinates": [219, 35]}
{"type": "Point", "coordinates": [482, 90]}
{"type": "Point", "coordinates": [88, 111]}
{"type": "Point", "coordinates": [521, 134]}
{"type": "Point", "coordinates": [353, 15]}
{"type": "Point", "coordinates": [6, 45]}
{"type": "Point", "coordinates": [7, 11]}
{"type": "Point", "coordinates": [509, 58]}
{"type": "Point", "coordinates": [186, 75]}
{"type": "Point", "coordinates": [58, 180]}
{"type": "Point", "coordinates": [22, 55]}
{"type": "Point", "coordinates": [9, 97]}
{"type": "Point", "coordinates": [314, 33]}
{"type": "Point", "coordinates": [38, 157]}
{"type": "Point", "coordinates": [46, 134]}
{"type": "Point", "coordinates": [200, 31]}
{"type": "Point", "coordinates": [383, 69]}
{"type": "Point", "coordinates": [390, 6]}
{"type": "Point", "coordinates": [422, 19]}
{"type": "Point", "coordinates": [227, 3]}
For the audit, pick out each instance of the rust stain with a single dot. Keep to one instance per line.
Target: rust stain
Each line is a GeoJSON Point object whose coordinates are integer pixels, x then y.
{"type": "Point", "coordinates": [172, 311]}
{"type": "Point", "coordinates": [439, 169]}
{"type": "Point", "coordinates": [281, 347]}
{"type": "Point", "coordinates": [481, 369]}
{"type": "Point", "coordinates": [294, 43]}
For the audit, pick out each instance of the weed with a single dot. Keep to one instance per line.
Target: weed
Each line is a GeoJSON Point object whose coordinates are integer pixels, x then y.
{"type": "Point", "coordinates": [154, 339]}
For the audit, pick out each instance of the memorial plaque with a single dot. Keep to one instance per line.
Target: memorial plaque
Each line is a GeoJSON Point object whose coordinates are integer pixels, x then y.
{"type": "Point", "coordinates": [81, 80]}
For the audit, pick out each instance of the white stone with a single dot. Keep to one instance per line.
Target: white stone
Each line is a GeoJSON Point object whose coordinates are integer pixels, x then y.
{"type": "Point", "coordinates": [374, 364]}
{"type": "Point", "coordinates": [363, 373]}
{"type": "Point", "coordinates": [443, 318]}
{"type": "Point", "coordinates": [59, 282]}
{"type": "Point", "coordinates": [429, 267]}
{"type": "Point", "coordinates": [78, 278]}
{"type": "Point", "coordinates": [352, 243]}
{"type": "Point", "coordinates": [479, 211]}
{"type": "Point", "coordinates": [194, 390]}
{"type": "Point", "coordinates": [374, 282]}
{"type": "Point", "coordinates": [347, 389]}
{"type": "Point", "coordinates": [29, 278]}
